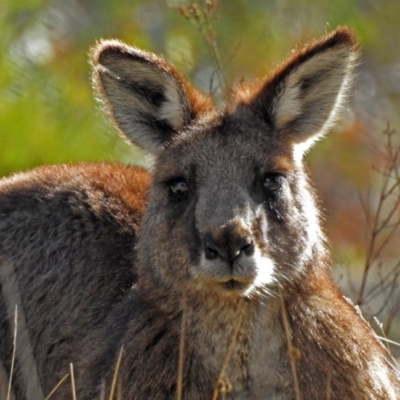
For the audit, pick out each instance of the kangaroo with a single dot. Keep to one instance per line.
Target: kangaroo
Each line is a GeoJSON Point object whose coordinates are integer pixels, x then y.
{"type": "Point", "coordinates": [207, 278]}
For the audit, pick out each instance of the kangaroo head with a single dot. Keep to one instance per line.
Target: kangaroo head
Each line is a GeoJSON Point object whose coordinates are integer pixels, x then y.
{"type": "Point", "coordinates": [230, 210]}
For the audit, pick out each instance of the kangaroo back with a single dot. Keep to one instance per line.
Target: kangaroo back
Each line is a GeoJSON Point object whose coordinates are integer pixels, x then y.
{"type": "Point", "coordinates": [67, 235]}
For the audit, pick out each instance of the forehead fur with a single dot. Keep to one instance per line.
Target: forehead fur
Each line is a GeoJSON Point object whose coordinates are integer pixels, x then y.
{"type": "Point", "coordinates": [228, 144]}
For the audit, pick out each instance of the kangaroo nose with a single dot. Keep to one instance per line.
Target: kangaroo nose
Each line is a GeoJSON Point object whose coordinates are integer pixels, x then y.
{"type": "Point", "coordinates": [228, 243]}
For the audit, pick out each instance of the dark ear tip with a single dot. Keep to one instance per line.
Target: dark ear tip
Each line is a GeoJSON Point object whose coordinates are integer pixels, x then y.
{"type": "Point", "coordinates": [108, 54]}
{"type": "Point", "coordinates": [343, 36]}
{"type": "Point", "coordinates": [106, 51]}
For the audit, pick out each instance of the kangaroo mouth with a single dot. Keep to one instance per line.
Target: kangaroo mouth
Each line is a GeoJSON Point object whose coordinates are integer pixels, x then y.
{"type": "Point", "coordinates": [234, 285]}
{"type": "Point", "coordinates": [227, 285]}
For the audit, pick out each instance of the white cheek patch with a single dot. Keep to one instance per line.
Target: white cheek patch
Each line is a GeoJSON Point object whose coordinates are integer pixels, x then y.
{"type": "Point", "coordinates": [314, 233]}
{"type": "Point", "coordinates": [265, 269]}
{"type": "Point", "coordinates": [262, 269]}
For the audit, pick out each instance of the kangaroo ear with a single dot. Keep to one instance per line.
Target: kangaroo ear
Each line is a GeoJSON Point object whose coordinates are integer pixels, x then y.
{"type": "Point", "coordinates": [304, 96]}
{"type": "Point", "coordinates": [146, 98]}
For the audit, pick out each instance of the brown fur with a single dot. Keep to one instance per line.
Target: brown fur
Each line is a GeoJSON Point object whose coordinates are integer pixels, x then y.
{"type": "Point", "coordinates": [101, 260]}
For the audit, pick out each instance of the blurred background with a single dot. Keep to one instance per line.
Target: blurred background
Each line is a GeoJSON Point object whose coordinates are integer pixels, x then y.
{"type": "Point", "coordinates": [48, 115]}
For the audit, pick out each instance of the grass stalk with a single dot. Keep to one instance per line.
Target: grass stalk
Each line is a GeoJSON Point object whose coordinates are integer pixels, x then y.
{"type": "Point", "coordinates": [48, 397]}
{"type": "Point", "coordinates": [115, 376]}
{"type": "Point", "coordinates": [13, 354]}
{"type": "Point", "coordinates": [293, 352]}
{"type": "Point", "coordinates": [222, 381]}
{"type": "Point", "coordinates": [71, 371]}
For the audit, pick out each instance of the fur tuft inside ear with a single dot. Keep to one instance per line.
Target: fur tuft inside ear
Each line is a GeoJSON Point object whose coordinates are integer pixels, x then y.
{"type": "Point", "coordinates": [147, 99]}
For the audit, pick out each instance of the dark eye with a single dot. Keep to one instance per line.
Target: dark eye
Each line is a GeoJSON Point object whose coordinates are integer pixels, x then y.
{"type": "Point", "coordinates": [273, 182]}
{"type": "Point", "coordinates": [178, 188]}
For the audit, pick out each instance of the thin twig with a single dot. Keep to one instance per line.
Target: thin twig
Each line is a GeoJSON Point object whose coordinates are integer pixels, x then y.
{"type": "Point", "coordinates": [380, 326]}
{"type": "Point", "coordinates": [201, 14]}
{"type": "Point", "coordinates": [383, 285]}
{"type": "Point", "coordinates": [216, 53]}
{"type": "Point", "coordinates": [391, 314]}
{"type": "Point", "coordinates": [371, 247]}
{"type": "Point", "coordinates": [381, 223]}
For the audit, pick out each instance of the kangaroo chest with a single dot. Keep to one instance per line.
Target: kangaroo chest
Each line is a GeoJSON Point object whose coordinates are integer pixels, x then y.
{"type": "Point", "coordinates": [242, 362]}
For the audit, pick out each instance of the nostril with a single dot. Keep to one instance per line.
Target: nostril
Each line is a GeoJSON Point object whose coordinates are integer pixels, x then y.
{"type": "Point", "coordinates": [227, 245]}
{"type": "Point", "coordinates": [210, 253]}
{"type": "Point", "coordinates": [248, 248]}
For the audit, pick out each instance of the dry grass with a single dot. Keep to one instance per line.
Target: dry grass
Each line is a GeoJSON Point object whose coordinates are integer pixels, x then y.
{"type": "Point", "coordinates": [73, 389]}
{"type": "Point", "coordinates": [115, 376]}
{"type": "Point", "coordinates": [22, 349]}
{"type": "Point", "coordinates": [54, 390]}
{"type": "Point", "coordinates": [9, 393]}
{"type": "Point", "coordinates": [293, 352]}
{"type": "Point", "coordinates": [223, 384]}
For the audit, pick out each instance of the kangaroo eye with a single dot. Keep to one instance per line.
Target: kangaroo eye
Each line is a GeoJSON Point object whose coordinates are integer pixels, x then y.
{"type": "Point", "coordinates": [273, 182]}
{"type": "Point", "coordinates": [178, 187]}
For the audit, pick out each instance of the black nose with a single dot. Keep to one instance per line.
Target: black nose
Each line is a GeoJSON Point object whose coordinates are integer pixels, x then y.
{"type": "Point", "coordinates": [228, 242]}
